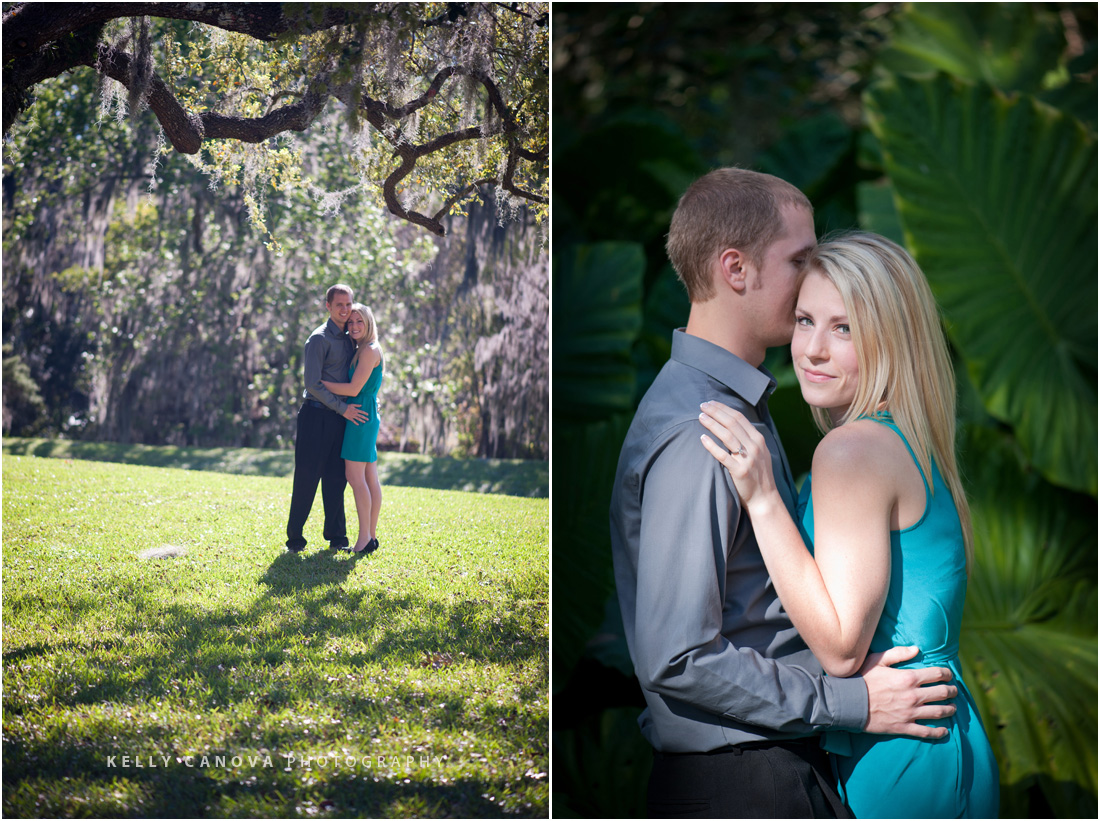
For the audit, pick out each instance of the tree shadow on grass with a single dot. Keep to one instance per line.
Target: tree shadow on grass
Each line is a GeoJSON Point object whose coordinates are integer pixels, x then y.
{"type": "Point", "coordinates": [304, 614]}
{"type": "Point", "coordinates": [234, 656]}
{"type": "Point", "coordinates": [240, 461]}
{"type": "Point", "coordinates": [54, 778]}
{"type": "Point", "coordinates": [27, 651]}
{"type": "Point", "coordinates": [510, 477]}
{"type": "Point", "coordinates": [468, 626]}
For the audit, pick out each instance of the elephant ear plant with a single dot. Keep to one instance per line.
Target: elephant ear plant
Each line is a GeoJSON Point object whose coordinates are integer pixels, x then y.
{"type": "Point", "coordinates": [992, 171]}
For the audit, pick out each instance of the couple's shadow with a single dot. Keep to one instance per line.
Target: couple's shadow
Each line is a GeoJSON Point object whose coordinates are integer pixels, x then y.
{"type": "Point", "coordinates": [292, 572]}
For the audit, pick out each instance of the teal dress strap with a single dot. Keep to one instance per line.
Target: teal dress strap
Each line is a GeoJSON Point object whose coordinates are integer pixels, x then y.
{"type": "Point", "coordinates": [886, 419]}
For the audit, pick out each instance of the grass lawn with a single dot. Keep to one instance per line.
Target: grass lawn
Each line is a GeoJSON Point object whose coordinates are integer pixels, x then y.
{"type": "Point", "coordinates": [164, 656]}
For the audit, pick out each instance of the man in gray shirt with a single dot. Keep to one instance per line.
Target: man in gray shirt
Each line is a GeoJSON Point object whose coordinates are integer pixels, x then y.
{"type": "Point", "coordinates": [320, 434]}
{"type": "Point", "coordinates": [733, 695]}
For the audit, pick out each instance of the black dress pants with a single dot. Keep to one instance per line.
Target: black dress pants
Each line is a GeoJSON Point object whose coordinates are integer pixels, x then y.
{"type": "Point", "coordinates": [785, 779]}
{"type": "Point", "coordinates": [317, 447]}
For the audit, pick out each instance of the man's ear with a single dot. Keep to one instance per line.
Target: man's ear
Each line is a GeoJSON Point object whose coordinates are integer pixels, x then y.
{"type": "Point", "coordinates": [733, 265]}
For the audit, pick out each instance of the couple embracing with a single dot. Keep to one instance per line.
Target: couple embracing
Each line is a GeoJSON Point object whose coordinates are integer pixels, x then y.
{"type": "Point", "coordinates": [798, 656]}
{"type": "Point", "coordinates": [336, 442]}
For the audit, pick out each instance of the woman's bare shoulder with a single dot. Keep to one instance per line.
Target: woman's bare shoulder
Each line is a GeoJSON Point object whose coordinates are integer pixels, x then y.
{"type": "Point", "coordinates": [864, 446]}
{"type": "Point", "coordinates": [373, 354]}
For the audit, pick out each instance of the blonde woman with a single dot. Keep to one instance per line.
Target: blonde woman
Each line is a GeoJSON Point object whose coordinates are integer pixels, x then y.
{"type": "Point", "coordinates": [884, 515]}
{"type": "Point", "coordinates": [360, 450]}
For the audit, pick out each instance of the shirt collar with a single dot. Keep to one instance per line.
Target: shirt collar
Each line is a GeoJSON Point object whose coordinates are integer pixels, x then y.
{"type": "Point", "coordinates": [333, 329]}
{"type": "Point", "coordinates": [751, 384]}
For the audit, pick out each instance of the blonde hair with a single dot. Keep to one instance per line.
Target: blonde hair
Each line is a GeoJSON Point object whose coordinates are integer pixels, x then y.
{"type": "Point", "coordinates": [904, 366]}
{"type": "Point", "coordinates": [368, 317]}
{"type": "Point", "coordinates": [727, 208]}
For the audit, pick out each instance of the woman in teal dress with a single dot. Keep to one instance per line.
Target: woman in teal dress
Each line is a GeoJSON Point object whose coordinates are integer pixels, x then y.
{"type": "Point", "coordinates": [884, 516]}
{"type": "Point", "coordinates": [360, 451]}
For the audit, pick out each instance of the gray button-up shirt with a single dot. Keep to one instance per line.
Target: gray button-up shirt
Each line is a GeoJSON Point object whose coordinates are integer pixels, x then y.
{"type": "Point", "coordinates": [328, 352]}
{"type": "Point", "coordinates": [717, 657]}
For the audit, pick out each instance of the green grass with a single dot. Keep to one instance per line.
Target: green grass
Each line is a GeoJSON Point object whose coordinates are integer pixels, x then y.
{"type": "Point", "coordinates": [417, 676]}
{"type": "Point", "coordinates": [513, 477]}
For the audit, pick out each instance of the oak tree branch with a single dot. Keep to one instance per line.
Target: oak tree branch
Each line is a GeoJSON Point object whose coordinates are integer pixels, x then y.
{"type": "Point", "coordinates": [42, 40]}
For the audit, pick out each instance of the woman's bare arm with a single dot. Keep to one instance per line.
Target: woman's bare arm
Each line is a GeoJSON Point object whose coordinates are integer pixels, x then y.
{"type": "Point", "coordinates": [835, 595]}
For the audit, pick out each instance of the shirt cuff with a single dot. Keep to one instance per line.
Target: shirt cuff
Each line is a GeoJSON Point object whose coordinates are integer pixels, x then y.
{"type": "Point", "coordinates": [329, 400]}
{"type": "Point", "coordinates": [848, 699]}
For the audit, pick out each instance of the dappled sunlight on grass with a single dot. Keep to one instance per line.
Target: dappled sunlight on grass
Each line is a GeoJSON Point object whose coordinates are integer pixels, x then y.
{"type": "Point", "coordinates": [424, 664]}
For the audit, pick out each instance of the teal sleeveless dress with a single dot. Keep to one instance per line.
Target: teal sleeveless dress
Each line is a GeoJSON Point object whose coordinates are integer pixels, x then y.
{"type": "Point", "coordinates": [895, 777]}
{"type": "Point", "coordinates": [361, 441]}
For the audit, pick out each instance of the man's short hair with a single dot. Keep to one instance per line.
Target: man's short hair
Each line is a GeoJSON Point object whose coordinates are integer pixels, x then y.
{"type": "Point", "coordinates": [338, 289]}
{"type": "Point", "coordinates": [727, 208]}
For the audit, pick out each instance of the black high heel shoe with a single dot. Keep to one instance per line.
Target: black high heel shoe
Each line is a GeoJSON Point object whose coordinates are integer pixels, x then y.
{"type": "Point", "coordinates": [372, 546]}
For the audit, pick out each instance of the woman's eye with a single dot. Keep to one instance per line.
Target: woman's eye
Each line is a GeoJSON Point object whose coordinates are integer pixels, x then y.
{"type": "Point", "coordinates": [844, 329]}
{"type": "Point", "coordinates": [803, 320]}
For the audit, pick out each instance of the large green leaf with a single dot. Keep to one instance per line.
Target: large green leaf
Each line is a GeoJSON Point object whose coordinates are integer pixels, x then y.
{"type": "Point", "coordinates": [809, 152]}
{"type": "Point", "coordinates": [597, 316]}
{"type": "Point", "coordinates": [666, 308]}
{"type": "Point", "coordinates": [585, 457]}
{"type": "Point", "coordinates": [998, 199]}
{"type": "Point", "coordinates": [597, 319]}
{"type": "Point", "coordinates": [817, 155]}
{"type": "Point", "coordinates": [1013, 46]}
{"type": "Point", "coordinates": [622, 179]}
{"type": "Point", "coordinates": [1029, 632]}
{"type": "Point", "coordinates": [877, 211]}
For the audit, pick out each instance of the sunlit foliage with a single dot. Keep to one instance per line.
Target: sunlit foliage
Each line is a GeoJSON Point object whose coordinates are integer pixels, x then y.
{"type": "Point", "coordinates": [438, 100]}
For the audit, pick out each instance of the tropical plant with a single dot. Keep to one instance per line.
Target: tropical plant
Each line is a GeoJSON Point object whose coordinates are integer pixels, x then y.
{"type": "Point", "coordinates": [1028, 646]}
{"type": "Point", "coordinates": [1009, 248]}
{"type": "Point", "coordinates": [596, 382]}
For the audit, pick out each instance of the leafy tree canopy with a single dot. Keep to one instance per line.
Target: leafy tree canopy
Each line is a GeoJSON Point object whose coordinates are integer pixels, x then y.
{"type": "Point", "coordinates": [439, 99]}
